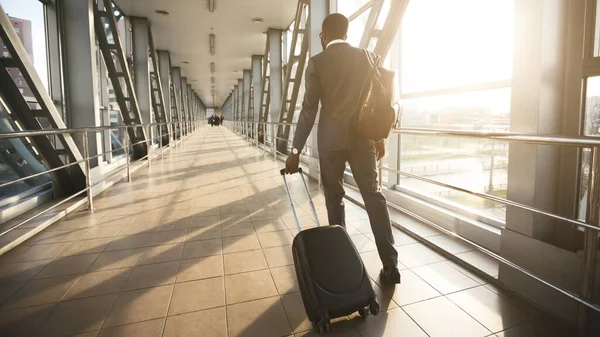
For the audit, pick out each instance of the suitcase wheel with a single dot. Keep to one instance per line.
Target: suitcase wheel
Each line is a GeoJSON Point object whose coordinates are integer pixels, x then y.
{"type": "Point", "coordinates": [374, 307]}
{"type": "Point", "coordinates": [321, 326]}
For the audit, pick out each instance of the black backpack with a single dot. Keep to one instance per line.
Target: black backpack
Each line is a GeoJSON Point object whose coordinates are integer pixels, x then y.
{"type": "Point", "coordinates": [375, 117]}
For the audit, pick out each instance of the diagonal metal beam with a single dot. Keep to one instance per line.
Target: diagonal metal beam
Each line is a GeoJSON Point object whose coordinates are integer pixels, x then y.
{"type": "Point", "coordinates": [68, 180]}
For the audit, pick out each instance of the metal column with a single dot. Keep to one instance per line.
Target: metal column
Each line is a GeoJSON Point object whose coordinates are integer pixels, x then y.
{"type": "Point", "coordinates": [141, 61]}
{"type": "Point", "coordinates": [80, 75]}
{"type": "Point", "coordinates": [257, 92]}
{"type": "Point", "coordinates": [246, 105]}
{"type": "Point", "coordinates": [275, 75]}
{"type": "Point", "coordinates": [164, 62]}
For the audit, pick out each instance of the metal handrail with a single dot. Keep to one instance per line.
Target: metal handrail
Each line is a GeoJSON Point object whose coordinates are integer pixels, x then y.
{"type": "Point", "coordinates": [540, 139]}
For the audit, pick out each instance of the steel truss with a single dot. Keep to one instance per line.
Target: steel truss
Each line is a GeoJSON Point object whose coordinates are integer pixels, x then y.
{"type": "Point", "coordinates": [293, 75]}
{"type": "Point", "coordinates": [118, 72]}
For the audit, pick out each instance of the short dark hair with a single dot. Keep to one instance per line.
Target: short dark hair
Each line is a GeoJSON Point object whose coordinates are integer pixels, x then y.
{"type": "Point", "coordinates": [335, 26]}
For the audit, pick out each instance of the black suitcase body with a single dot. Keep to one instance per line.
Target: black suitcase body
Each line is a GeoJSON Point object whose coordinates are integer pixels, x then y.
{"type": "Point", "coordinates": [332, 278]}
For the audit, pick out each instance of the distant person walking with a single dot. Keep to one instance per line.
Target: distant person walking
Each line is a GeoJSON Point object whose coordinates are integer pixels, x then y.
{"type": "Point", "coordinates": [335, 77]}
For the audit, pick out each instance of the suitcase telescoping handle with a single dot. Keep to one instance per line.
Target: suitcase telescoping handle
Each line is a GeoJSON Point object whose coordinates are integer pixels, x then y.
{"type": "Point", "coordinates": [312, 205]}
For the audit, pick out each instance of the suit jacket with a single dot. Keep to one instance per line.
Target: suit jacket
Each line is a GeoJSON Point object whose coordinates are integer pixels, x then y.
{"type": "Point", "coordinates": [334, 77]}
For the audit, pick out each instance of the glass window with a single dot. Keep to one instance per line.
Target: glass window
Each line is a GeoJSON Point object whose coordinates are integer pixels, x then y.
{"type": "Point", "coordinates": [357, 28]}
{"type": "Point", "coordinates": [349, 7]}
{"type": "Point", "coordinates": [18, 159]}
{"type": "Point", "coordinates": [441, 48]}
{"type": "Point", "coordinates": [27, 17]}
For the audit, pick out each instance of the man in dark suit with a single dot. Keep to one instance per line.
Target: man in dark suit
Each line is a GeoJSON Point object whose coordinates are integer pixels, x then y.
{"type": "Point", "coordinates": [335, 78]}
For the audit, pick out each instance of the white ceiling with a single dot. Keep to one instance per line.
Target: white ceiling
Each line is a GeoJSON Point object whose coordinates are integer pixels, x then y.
{"type": "Point", "coordinates": [184, 32]}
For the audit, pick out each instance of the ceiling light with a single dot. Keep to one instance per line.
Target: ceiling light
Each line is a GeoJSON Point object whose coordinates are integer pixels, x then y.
{"type": "Point", "coordinates": [212, 43]}
{"type": "Point", "coordinates": [212, 67]}
{"type": "Point", "coordinates": [162, 12]}
{"type": "Point", "coordinates": [258, 20]}
{"type": "Point", "coordinates": [211, 6]}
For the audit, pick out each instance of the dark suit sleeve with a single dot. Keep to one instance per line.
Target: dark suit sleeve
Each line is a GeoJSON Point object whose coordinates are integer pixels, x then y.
{"type": "Point", "coordinates": [310, 106]}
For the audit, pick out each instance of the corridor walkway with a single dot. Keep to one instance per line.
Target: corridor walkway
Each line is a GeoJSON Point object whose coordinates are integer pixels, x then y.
{"type": "Point", "coordinates": [199, 245]}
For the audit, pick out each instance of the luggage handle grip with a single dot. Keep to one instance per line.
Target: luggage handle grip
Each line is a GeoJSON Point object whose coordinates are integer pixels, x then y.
{"type": "Point", "coordinates": [312, 205]}
{"type": "Point", "coordinates": [282, 171]}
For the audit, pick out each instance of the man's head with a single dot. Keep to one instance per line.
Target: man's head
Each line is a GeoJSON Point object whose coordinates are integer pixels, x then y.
{"type": "Point", "coordinates": [335, 26]}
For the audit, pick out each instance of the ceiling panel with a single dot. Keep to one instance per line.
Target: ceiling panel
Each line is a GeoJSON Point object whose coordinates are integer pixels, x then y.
{"type": "Point", "coordinates": [184, 32]}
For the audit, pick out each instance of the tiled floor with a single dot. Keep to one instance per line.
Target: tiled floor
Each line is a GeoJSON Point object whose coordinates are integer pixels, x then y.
{"type": "Point", "coordinates": [199, 245]}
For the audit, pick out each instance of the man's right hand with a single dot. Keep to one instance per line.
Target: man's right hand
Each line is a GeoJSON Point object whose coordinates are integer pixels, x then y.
{"type": "Point", "coordinates": [292, 163]}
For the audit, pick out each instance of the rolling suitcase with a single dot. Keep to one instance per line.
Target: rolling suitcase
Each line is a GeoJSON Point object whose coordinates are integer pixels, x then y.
{"type": "Point", "coordinates": [332, 278]}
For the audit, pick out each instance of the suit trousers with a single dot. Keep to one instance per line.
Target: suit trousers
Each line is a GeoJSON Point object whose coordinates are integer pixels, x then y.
{"type": "Point", "coordinates": [363, 162]}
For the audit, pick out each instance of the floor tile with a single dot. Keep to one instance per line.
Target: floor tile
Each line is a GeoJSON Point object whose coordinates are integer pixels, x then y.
{"type": "Point", "coordinates": [99, 232]}
{"type": "Point", "coordinates": [208, 323]}
{"type": "Point", "coordinates": [203, 233]}
{"type": "Point", "coordinates": [22, 271]}
{"type": "Point", "coordinates": [249, 286]}
{"type": "Point", "coordinates": [384, 296]}
{"type": "Point", "coordinates": [38, 292]}
{"type": "Point", "coordinates": [285, 279]}
{"type": "Point", "coordinates": [91, 246]}
{"type": "Point", "coordinates": [417, 255]}
{"type": "Point", "coordinates": [23, 322]}
{"type": "Point", "coordinates": [99, 283]}
{"type": "Point", "coordinates": [279, 256]}
{"type": "Point", "coordinates": [390, 324]}
{"type": "Point", "coordinates": [244, 262]}
{"type": "Point", "coordinates": [152, 275]}
{"type": "Point", "coordinates": [47, 237]}
{"type": "Point", "coordinates": [6, 290]}
{"type": "Point", "coordinates": [68, 265]}
{"type": "Point", "coordinates": [162, 253]}
{"type": "Point", "coordinates": [444, 278]}
{"type": "Point", "coordinates": [233, 209]}
{"type": "Point", "coordinates": [197, 295]}
{"type": "Point", "coordinates": [264, 226]}
{"type": "Point", "coordinates": [202, 248]}
{"type": "Point", "coordinates": [362, 243]}
{"type": "Point", "coordinates": [151, 328]}
{"type": "Point", "coordinates": [495, 312]}
{"type": "Point", "coordinates": [441, 318]}
{"type": "Point", "coordinates": [130, 242]}
{"type": "Point", "coordinates": [236, 244]}
{"type": "Point", "coordinates": [168, 237]}
{"type": "Point", "coordinates": [205, 221]}
{"type": "Point", "coordinates": [412, 289]}
{"type": "Point", "coordinates": [139, 305]}
{"type": "Point", "coordinates": [294, 309]}
{"type": "Point", "coordinates": [275, 239]}
{"type": "Point", "coordinates": [72, 317]}
{"type": "Point", "coordinates": [265, 318]}
{"type": "Point", "coordinates": [138, 228]}
{"type": "Point", "coordinates": [200, 268]}
{"type": "Point", "coordinates": [117, 259]}
{"type": "Point", "coordinates": [237, 229]}
{"type": "Point", "coordinates": [37, 252]}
